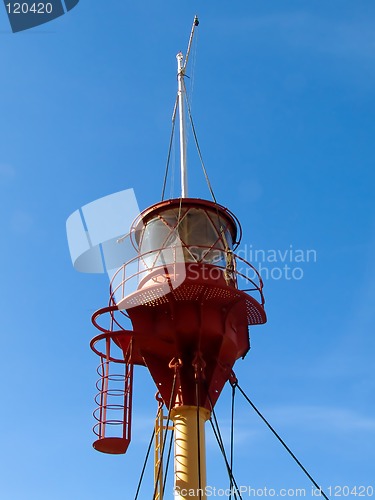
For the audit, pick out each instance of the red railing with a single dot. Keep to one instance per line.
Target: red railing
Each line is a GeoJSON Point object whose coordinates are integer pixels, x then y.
{"type": "Point", "coordinates": [244, 276]}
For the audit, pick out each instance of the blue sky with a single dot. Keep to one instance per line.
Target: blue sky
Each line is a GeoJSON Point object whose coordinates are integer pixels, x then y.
{"type": "Point", "coordinates": [284, 105]}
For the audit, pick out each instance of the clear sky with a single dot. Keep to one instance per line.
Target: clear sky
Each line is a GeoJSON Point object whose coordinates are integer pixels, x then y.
{"type": "Point", "coordinates": [284, 105]}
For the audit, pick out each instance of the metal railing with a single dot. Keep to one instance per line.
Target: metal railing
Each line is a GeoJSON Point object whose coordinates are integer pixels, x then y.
{"type": "Point", "coordinates": [242, 275]}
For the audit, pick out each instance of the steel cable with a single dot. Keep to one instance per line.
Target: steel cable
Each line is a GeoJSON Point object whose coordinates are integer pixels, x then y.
{"type": "Point", "coordinates": [220, 442]}
{"type": "Point", "coordinates": [281, 441]}
{"type": "Point", "coordinates": [166, 432]}
{"type": "Point", "coordinates": [169, 150]}
{"type": "Point", "coordinates": [197, 145]}
{"type": "Point", "coordinates": [168, 458]}
{"type": "Point", "coordinates": [144, 465]}
{"type": "Point", "coordinates": [232, 439]}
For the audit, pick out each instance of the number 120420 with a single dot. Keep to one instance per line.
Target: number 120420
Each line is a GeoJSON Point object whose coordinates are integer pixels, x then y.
{"type": "Point", "coordinates": [25, 8]}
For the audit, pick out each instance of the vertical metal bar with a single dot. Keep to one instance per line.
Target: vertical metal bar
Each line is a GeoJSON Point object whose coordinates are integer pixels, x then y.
{"type": "Point", "coordinates": [101, 402]}
{"type": "Point", "coordinates": [158, 459]}
{"type": "Point", "coordinates": [128, 401]}
{"type": "Point", "coordinates": [104, 400]}
{"type": "Point", "coordinates": [181, 109]}
{"type": "Point", "coordinates": [123, 281]}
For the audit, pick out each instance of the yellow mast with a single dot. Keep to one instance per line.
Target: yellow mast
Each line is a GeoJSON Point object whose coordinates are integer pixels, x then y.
{"type": "Point", "coordinates": [189, 452]}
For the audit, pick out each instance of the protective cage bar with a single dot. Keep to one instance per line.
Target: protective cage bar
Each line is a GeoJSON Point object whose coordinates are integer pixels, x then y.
{"type": "Point", "coordinates": [114, 400]}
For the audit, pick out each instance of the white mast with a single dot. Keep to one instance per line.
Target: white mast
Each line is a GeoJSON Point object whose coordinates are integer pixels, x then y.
{"type": "Point", "coordinates": [181, 96]}
{"type": "Point", "coordinates": [181, 109]}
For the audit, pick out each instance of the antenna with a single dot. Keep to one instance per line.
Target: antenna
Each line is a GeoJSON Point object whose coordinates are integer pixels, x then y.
{"type": "Point", "coordinates": [181, 67]}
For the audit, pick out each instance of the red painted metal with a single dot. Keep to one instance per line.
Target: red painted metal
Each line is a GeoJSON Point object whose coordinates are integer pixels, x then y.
{"type": "Point", "coordinates": [115, 386]}
{"type": "Point", "coordinates": [189, 315]}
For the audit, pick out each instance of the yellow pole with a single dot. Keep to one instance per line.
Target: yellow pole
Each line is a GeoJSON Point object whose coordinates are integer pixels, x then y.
{"type": "Point", "coordinates": [190, 481]}
{"type": "Point", "coordinates": [158, 458]}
